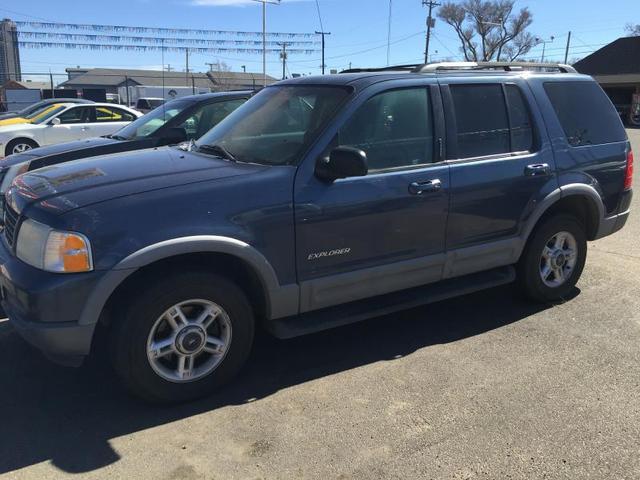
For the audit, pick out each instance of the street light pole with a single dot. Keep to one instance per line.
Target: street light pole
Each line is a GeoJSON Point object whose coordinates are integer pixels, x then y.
{"type": "Point", "coordinates": [264, 36]}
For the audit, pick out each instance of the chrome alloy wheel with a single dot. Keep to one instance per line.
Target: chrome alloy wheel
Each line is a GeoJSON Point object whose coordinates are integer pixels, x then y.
{"type": "Point", "coordinates": [189, 340]}
{"type": "Point", "coordinates": [21, 147]}
{"type": "Point", "coordinates": [558, 259]}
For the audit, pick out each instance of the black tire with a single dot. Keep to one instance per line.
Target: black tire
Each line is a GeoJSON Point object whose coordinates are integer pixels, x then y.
{"type": "Point", "coordinates": [528, 268]}
{"type": "Point", "coordinates": [17, 141]}
{"type": "Point", "coordinates": [135, 317]}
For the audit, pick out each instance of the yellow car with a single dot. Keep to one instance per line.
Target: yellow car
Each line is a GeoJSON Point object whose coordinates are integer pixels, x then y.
{"type": "Point", "coordinates": [32, 117]}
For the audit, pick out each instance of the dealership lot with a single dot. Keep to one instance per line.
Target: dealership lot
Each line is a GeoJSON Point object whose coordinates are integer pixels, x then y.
{"type": "Point", "coordinates": [485, 386]}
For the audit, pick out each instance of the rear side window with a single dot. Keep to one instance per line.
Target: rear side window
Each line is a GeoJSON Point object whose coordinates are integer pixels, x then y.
{"type": "Point", "coordinates": [585, 113]}
{"type": "Point", "coordinates": [482, 121]}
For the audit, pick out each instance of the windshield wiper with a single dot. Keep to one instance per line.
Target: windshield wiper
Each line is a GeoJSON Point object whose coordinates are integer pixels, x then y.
{"type": "Point", "coordinates": [217, 150]}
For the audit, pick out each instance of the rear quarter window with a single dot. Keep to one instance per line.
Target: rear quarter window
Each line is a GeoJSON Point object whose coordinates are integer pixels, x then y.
{"type": "Point", "coordinates": [585, 113]}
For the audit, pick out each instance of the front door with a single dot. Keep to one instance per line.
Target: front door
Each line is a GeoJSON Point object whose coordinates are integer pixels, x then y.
{"type": "Point", "coordinates": [500, 167]}
{"type": "Point", "coordinates": [364, 236]}
{"type": "Point", "coordinates": [75, 123]}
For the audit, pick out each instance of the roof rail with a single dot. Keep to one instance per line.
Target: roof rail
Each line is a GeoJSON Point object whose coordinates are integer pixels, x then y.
{"type": "Point", "coordinates": [505, 66]}
{"type": "Point", "coordinates": [407, 68]}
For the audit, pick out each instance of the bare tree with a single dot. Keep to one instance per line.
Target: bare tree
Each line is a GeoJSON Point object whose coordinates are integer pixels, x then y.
{"type": "Point", "coordinates": [632, 30]}
{"type": "Point", "coordinates": [489, 30]}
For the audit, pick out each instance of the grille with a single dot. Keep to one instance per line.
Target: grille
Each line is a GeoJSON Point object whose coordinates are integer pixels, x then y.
{"type": "Point", "coordinates": [10, 223]}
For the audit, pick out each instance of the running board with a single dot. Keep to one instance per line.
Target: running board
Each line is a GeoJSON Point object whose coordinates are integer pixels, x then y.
{"type": "Point", "coordinates": [339, 315]}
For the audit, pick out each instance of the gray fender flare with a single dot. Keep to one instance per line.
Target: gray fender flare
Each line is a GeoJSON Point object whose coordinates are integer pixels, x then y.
{"type": "Point", "coordinates": [564, 191]}
{"type": "Point", "coordinates": [281, 300]}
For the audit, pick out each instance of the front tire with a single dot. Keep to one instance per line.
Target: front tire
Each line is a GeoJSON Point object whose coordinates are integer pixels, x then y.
{"type": "Point", "coordinates": [182, 338]}
{"type": "Point", "coordinates": [553, 259]}
{"type": "Point", "coordinates": [20, 145]}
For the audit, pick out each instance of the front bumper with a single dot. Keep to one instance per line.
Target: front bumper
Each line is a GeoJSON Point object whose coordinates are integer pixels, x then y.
{"type": "Point", "coordinates": [45, 308]}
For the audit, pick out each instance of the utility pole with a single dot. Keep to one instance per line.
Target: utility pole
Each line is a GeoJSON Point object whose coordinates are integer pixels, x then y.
{"type": "Point", "coordinates": [186, 51]}
{"type": "Point", "coordinates": [389, 34]}
{"type": "Point", "coordinates": [566, 52]}
{"type": "Point", "coordinates": [244, 68]}
{"type": "Point", "coordinates": [430, 24]}
{"type": "Point", "coordinates": [169, 67]}
{"type": "Point", "coordinates": [323, 33]}
{"type": "Point", "coordinates": [210, 65]}
{"type": "Point", "coordinates": [264, 36]}
{"type": "Point", "coordinates": [283, 56]}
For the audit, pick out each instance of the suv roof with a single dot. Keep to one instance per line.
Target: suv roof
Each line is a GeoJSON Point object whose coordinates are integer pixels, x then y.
{"type": "Point", "coordinates": [373, 75]}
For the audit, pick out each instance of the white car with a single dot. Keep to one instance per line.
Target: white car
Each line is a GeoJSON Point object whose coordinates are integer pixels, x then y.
{"type": "Point", "coordinates": [65, 123]}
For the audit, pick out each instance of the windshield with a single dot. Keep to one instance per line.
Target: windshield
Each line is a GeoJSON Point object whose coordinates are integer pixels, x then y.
{"type": "Point", "coordinates": [39, 112]}
{"type": "Point", "coordinates": [277, 125]}
{"type": "Point", "coordinates": [152, 121]}
{"type": "Point", "coordinates": [48, 114]}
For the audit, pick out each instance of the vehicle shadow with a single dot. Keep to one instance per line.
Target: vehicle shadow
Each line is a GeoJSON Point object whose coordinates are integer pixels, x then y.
{"type": "Point", "coordinates": [68, 416]}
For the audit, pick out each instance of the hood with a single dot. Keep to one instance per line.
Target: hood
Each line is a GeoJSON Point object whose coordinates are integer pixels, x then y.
{"type": "Point", "coordinates": [21, 127]}
{"type": "Point", "coordinates": [13, 121]}
{"type": "Point", "coordinates": [64, 187]}
{"type": "Point", "coordinates": [58, 149]}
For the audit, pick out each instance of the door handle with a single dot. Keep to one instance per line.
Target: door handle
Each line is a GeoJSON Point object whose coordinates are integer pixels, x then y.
{"type": "Point", "coordinates": [84, 128]}
{"type": "Point", "coordinates": [537, 170]}
{"type": "Point", "coordinates": [418, 188]}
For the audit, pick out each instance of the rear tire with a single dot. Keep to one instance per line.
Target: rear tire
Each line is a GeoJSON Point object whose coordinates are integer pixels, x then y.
{"type": "Point", "coordinates": [165, 354]}
{"type": "Point", "coordinates": [20, 145]}
{"type": "Point", "coordinates": [553, 259]}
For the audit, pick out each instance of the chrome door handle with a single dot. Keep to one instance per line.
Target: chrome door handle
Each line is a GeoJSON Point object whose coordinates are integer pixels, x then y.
{"type": "Point", "coordinates": [418, 188]}
{"type": "Point", "coordinates": [537, 170]}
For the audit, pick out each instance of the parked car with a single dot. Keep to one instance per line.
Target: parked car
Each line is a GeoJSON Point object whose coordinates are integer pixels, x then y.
{"type": "Point", "coordinates": [39, 105]}
{"type": "Point", "coordinates": [184, 119]}
{"type": "Point", "coordinates": [66, 122]}
{"type": "Point", "coordinates": [321, 201]}
{"type": "Point", "coordinates": [145, 105]}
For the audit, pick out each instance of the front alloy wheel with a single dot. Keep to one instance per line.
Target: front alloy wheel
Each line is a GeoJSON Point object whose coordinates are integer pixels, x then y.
{"type": "Point", "coordinates": [21, 147]}
{"type": "Point", "coordinates": [189, 340]}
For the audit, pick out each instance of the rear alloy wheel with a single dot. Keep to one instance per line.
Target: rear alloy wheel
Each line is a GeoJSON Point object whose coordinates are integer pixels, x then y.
{"type": "Point", "coordinates": [553, 259]}
{"type": "Point", "coordinates": [181, 337]}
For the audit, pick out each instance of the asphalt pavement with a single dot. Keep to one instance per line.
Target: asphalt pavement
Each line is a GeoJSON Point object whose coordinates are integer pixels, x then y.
{"type": "Point", "coordinates": [484, 386]}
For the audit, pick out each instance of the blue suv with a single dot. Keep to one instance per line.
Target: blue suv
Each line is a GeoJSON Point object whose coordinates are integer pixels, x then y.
{"type": "Point", "coordinates": [321, 201]}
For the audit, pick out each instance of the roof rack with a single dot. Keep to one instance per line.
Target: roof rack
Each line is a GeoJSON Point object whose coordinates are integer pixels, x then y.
{"type": "Point", "coordinates": [408, 68]}
{"type": "Point", "coordinates": [505, 66]}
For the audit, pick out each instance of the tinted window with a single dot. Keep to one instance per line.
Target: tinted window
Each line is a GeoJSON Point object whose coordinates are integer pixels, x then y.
{"type": "Point", "coordinates": [481, 116]}
{"type": "Point", "coordinates": [395, 129]}
{"type": "Point", "coordinates": [585, 113]}
{"type": "Point", "coordinates": [520, 119]}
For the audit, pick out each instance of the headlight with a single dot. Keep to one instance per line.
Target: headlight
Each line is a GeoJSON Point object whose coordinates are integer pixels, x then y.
{"type": "Point", "coordinates": [52, 250]}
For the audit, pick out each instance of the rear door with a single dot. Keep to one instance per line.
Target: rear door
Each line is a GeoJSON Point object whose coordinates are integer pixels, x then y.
{"type": "Point", "coordinates": [364, 236]}
{"type": "Point", "coordinates": [501, 165]}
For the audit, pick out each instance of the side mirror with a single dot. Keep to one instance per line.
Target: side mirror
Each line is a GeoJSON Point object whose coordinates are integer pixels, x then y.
{"type": "Point", "coordinates": [343, 162]}
{"type": "Point", "coordinates": [55, 121]}
{"type": "Point", "coordinates": [174, 135]}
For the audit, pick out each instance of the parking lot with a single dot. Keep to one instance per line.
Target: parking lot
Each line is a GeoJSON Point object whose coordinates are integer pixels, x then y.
{"type": "Point", "coordinates": [484, 386]}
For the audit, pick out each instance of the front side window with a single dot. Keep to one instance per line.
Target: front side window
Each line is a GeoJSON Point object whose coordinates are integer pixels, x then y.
{"type": "Point", "coordinates": [207, 116]}
{"type": "Point", "coordinates": [585, 113]}
{"type": "Point", "coordinates": [394, 129]}
{"type": "Point", "coordinates": [276, 126]}
{"type": "Point", "coordinates": [75, 115]}
{"type": "Point", "coordinates": [481, 118]}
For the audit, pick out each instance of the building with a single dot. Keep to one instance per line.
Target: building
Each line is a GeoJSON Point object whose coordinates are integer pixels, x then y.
{"type": "Point", "coordinates": [616, 67]}
{"type": "Point", "coordinates": [110, 79]}
{"type": "Point", "coordinates": [9, 52]}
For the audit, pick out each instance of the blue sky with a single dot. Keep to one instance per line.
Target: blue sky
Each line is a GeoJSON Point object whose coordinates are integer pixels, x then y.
{"type": "Point", "coordinates": [358, 27]}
